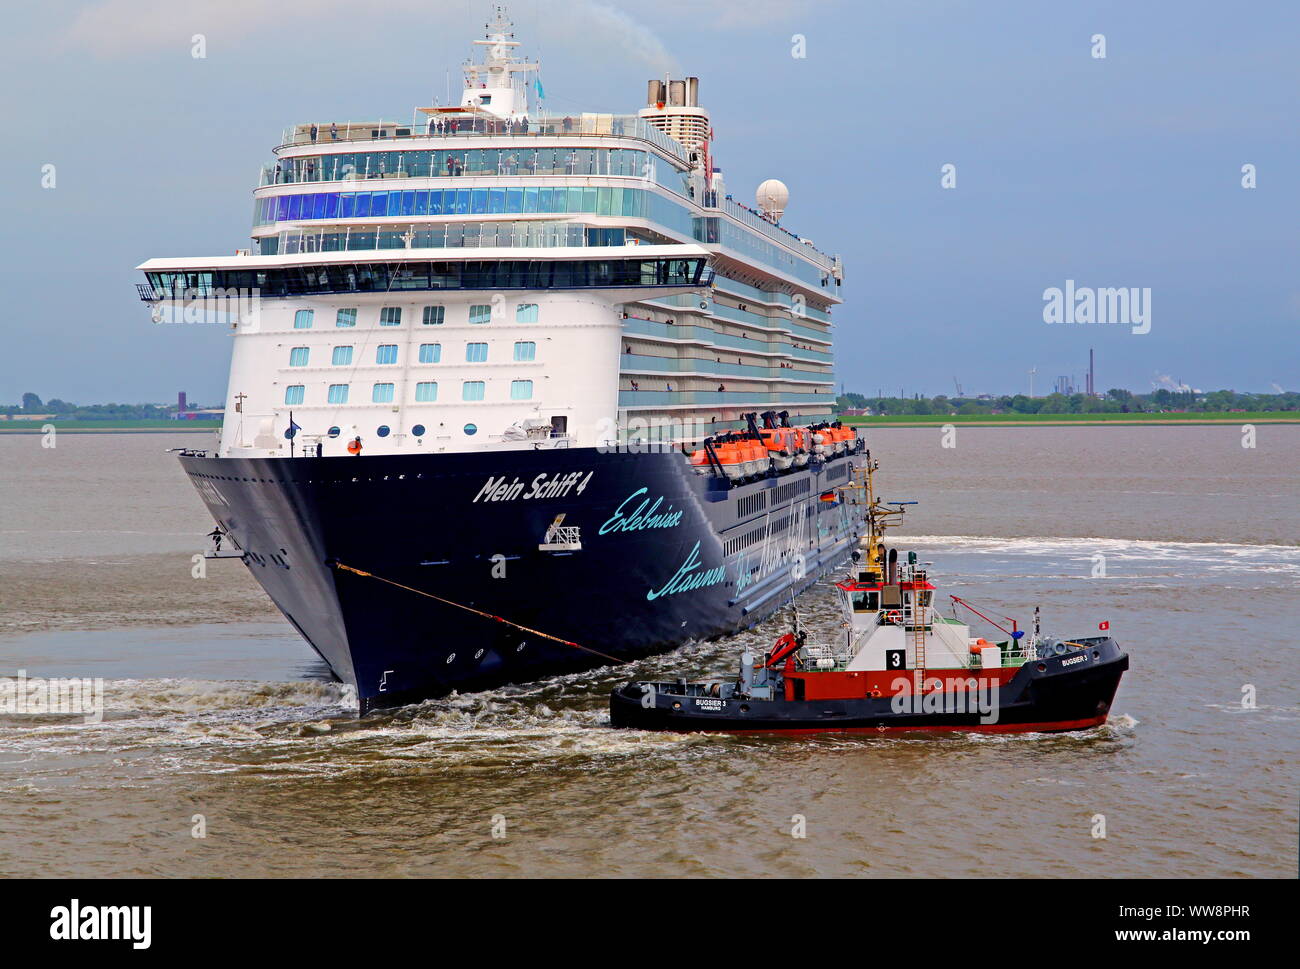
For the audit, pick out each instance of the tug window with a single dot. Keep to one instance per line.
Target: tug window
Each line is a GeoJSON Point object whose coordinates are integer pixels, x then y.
{"type": "Point", "coordinates": [866, 601]}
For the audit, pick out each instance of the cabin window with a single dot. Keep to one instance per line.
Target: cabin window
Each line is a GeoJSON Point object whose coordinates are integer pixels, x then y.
{"type": "Point", "coordinates": [472, 390]}
{"type": "Point", "coordinates": [476, 352]}
{"type": "Point", "coordinates": [521, 390]}
{"type": "Point", "coordinates": [342, 356]}
{"type": "Point", "coordinates": [386, 353]}
{"type": "Point", "coordinates": [525, 350]}
{"type": "Point", "coordinates": [294, 394]}
{"type": "Point", "coordinates": [866, 601]}
{"type": "Point", "coordinates": [302, 319]}
{"type": "Point", "coordinates": [430, 352]}
{"type": "Point", "coordinates": [426, 391]}
{"type": "Point", "coordinates": [338, 394]}
{"type": "Point", "coordinates": [480, 313]}
{"type": "Point", "coordinates": [346, 317]}
{"type": "Point", "coordinates": [526, 313]}
{"type": "Point", "coordinates": [382, 394]}
{"type": "Point", "coordinates": [433, 315]}
{"type": "Point", "coordinates": [298, 356]}
{"type": "Point", "coordinates": [390, 316]}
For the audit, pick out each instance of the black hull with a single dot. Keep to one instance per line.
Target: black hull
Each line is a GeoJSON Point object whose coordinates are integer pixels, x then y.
{"type": "Point", "coordinates": [1049, 699]}
{"type": "Point", "coordinates": [702, 560]}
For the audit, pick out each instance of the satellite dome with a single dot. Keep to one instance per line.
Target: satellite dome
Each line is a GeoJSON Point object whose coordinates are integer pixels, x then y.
{"type": "Point", "coordinates": [771, 197]}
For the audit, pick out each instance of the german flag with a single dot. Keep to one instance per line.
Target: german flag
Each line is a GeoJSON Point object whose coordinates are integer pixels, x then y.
{"type": "Point", "coordinates": [830, 496]}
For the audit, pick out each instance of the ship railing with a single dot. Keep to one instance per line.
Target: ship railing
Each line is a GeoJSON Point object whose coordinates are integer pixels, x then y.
{"type": "Point", "coordinates": [583, 125]}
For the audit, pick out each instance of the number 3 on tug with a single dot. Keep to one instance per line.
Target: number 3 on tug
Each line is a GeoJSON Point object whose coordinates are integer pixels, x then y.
{"type": "Point", "coordinates": [900, 665]}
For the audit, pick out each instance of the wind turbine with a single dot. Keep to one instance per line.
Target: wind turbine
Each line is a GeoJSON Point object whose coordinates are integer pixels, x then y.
{"type": "Point", "coordinates": [1032, 371]}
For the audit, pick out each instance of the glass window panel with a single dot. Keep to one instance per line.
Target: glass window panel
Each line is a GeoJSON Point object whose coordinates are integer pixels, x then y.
{"type": "Point", "coordinates": [298, 356]}
{"type": "Point", "coordinates": [302, 319]}
{"type": "Point", "coordinates": [294, 393]}
{"type": "Point", "coordinates": [476, 352]}
{"type": "Point", "coordinates": [430, 352]}
{"type": "Point", "coordinates": [434, 315]}
{"type": "Point", "coordinates": [382, 394]}
{"type": "Point", "coordinates": [338, 393]}
{"type": "Point", "coordinates": [472, 390]}
{"type": "Point", "coordinates": [386, 353]}
{"type": "Point", "coordinates": [521, 389]}
{"type": "Point", "coordinates": [346, 317]}
{"type": "Point", "coordinates": [342, 356]}
{"type": "Point", "coordinates": [426, 391]}
{"type": "Point", "coordinates": [525, 350]}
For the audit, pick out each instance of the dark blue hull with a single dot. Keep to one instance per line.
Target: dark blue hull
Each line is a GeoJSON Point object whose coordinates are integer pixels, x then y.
{"type": "Point", "coordinates": [666, 556]}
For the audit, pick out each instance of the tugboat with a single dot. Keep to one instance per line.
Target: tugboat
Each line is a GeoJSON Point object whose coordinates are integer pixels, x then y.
{"type": "Point", "coordinates": [899, 666]}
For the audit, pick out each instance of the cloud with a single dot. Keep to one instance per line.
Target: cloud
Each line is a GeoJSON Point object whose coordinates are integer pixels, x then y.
{"type": "Point", "coordinates": [115, 28]}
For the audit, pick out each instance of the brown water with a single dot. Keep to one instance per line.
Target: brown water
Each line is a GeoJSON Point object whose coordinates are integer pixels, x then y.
{"type": "Point", "coordinates": [215, 707]}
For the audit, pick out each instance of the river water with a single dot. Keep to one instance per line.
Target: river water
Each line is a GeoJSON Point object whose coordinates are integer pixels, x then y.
{"type": "Point", "coordinates": [1185, 541]}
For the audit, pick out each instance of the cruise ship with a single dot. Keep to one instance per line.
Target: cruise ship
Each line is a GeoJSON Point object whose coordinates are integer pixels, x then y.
{"type": "Point", "coordinates": [516, 392]}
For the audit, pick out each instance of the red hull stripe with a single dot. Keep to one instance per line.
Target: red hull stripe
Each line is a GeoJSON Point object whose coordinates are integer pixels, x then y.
{"type": "Point", "coordinates": [1045, 727]}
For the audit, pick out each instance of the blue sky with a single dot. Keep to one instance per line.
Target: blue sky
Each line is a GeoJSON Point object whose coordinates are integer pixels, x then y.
{"type": "Point", "coordinates": [1122, 171]}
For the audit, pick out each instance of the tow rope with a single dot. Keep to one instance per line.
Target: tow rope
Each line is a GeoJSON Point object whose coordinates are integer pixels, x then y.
{"type": "Point", "coordinates": [478, 612]}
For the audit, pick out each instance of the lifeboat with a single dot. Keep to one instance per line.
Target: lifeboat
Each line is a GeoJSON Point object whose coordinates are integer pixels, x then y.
{"type": "Point", "coordinates": [778, 442]}
{"type": "Point", "coordinates": [801, 440]}
{"type": "Point", "coordinates": [821, 445]}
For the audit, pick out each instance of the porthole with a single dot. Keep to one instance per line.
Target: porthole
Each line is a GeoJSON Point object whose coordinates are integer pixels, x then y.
{"type": "Point", "coordinates": [333, 432]}
{"type": "Point", "coordinates": [676, 705]}
{"type": "Point", "coordinates": [744, 708]}
{"type": "Point", "coordinates": [382, 430]}
{"type": "Point", "coordinates": [418, 430]}
{"type": "Point", "coordinates": [471, 429]}
{"type": "Point", "coordinates": [1042, 667]}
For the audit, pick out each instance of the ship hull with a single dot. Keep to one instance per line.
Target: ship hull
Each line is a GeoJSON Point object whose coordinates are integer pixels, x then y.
{"type": "Point", "coordinates": [1051, 695]}
{"type": "Point", "coordinates": [457, 594]}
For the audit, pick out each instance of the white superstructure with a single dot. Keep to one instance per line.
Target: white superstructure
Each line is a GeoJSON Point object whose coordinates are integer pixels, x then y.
{"type": "Point", "coordinates": [491, 275]}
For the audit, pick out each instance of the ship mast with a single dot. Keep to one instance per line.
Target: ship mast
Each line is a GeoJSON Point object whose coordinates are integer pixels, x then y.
{"type": "Point", "coordinates": [880, 516]}
{"type": "Point", "coordinates": [499, 85]}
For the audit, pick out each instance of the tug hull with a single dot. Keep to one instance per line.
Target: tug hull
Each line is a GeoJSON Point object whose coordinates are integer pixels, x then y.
{"type": "Point", "coordinates": [1049, 695]}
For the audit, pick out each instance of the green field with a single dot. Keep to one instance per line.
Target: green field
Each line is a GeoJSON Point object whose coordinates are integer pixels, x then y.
{"type": "Point", "coordinates": [153, 427]}
{"type": "Point", "coordinates": [1049, 420]}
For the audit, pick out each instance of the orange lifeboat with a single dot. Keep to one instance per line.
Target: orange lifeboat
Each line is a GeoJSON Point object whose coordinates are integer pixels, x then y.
{"type": "Point", "coordinates": [776, 440]}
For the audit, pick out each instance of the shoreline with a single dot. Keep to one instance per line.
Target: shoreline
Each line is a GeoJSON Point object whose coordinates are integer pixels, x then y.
{"type": "Point", "coordinates": [1055, 421]}
{"type": "Point", "coordinates": [112, 429]}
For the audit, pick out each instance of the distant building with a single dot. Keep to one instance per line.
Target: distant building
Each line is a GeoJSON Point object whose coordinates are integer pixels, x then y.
{"type": "Point", "coordinates": [180, 403]}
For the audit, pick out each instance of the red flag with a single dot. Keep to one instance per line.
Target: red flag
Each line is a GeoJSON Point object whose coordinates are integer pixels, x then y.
{"type": "Point", "coordinates": [1104, 625]}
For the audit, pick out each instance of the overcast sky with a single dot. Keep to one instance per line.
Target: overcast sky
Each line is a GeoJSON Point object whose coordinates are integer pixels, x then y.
{"type": "Point", "coordinates": [1117, 171]}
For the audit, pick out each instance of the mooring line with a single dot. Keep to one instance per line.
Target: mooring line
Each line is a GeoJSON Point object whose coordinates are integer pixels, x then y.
{"type": "Point", "coordinates": [478, 612]}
